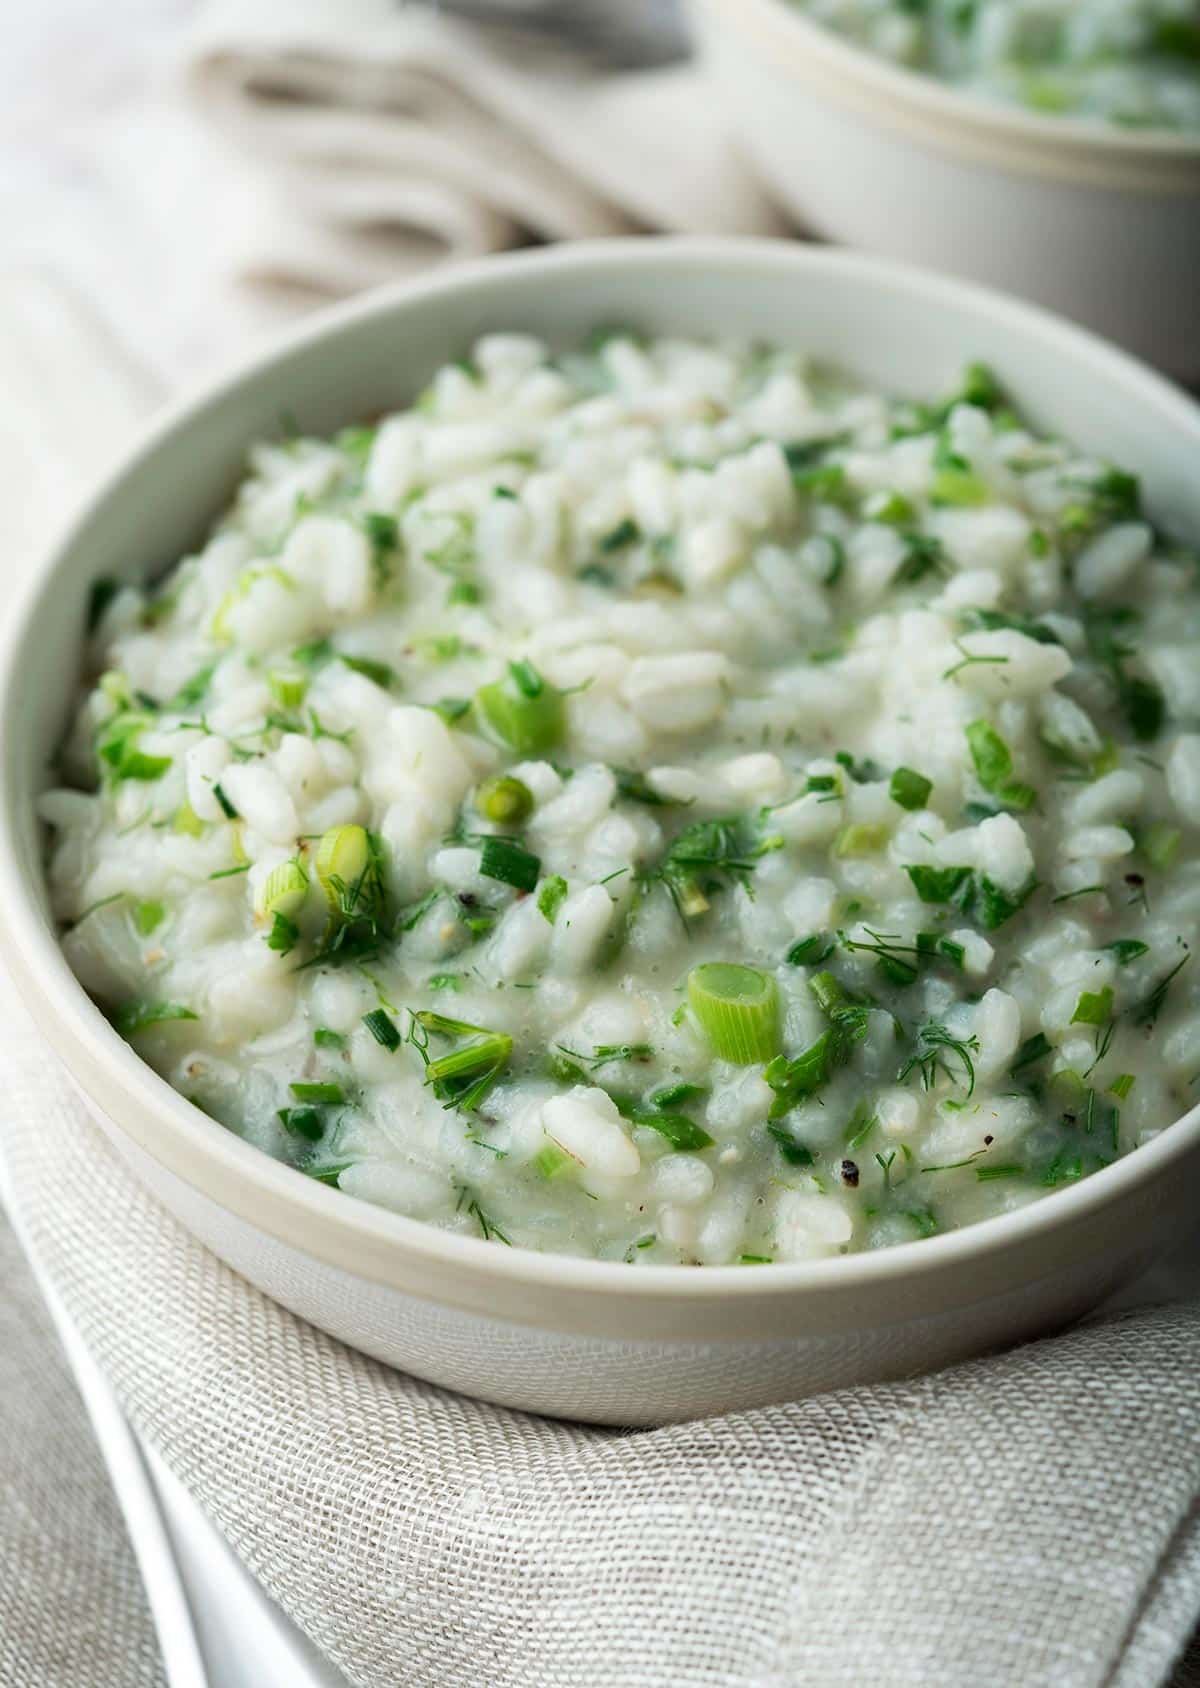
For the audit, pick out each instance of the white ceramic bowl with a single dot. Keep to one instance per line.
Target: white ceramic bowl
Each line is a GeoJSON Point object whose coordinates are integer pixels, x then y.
{"type": "Point", "coordinates": [1099, 222]}
{"type": "Point", "coordinates": [578, 1337]}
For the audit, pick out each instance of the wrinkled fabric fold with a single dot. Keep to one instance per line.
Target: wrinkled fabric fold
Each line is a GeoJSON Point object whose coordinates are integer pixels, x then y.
{"type": "Point", "coordinates": [376, 136]}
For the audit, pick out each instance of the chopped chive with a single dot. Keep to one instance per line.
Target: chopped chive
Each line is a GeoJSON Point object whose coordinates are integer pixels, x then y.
{"type": "Point", "coordinates": [1033, 1049]}
{"type": "Point", "coordinates": [326, 1038]}
{"type": "Point", "coordinates": [231, 872]}
{"type": "Point", "coordinates": [1122, 1085]}
{"type": "Point", "coordinates": [669, 1096]}
{"type": "Point", "coordinates": [505, 860]}
{"type": "Point", "coordinates": [227, 807]}
{"type": "Point", "coordinates": [382, 1028]}
{"type": "Point", "coordinates": [317, 1092]}
{"type": "Point", "coordinates": [810, 952]}
{"type": "Point", "coordinates": [302, 1122]}
{"type": "Point", "coordinates": [1126, 950]}
{"type": "Point", "coordinates": [937, 884]}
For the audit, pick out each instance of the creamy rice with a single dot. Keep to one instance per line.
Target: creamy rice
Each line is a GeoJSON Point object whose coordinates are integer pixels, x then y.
{"type": "Point", "coordinates": [1130, 62]}
{"type": "Point", "coordinates": [664, 803]}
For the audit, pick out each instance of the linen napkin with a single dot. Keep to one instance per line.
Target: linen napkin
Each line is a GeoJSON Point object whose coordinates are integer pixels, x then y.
{"type": "Point", "coordinates": [381, 137]}
{"type": "Point", "coordinates": [1026, 1519]}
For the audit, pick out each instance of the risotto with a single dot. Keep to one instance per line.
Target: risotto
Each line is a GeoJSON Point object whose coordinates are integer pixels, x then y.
{"type": "Point", "coordinates": [664, 803]}
{"type": "Point", "coordinates": [1130, 62]}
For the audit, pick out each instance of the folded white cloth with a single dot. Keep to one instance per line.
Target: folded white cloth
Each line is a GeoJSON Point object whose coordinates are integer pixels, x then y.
{"type": "Point", "coordinates": [381, 137]}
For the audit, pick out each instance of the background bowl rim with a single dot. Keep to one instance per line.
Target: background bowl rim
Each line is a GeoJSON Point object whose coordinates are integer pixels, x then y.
{"type": "Point", "coordinates": [1088, 137]}
{"type": "Point", "coordinates": [73, 1022]}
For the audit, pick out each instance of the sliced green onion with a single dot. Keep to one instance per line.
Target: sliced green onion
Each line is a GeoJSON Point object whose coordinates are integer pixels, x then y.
{"type": "Point", "coordinates": [505, 800]}
{"type": "Point", "coordinates": [738, 1010]}
{"type": "Point", "coordinates": [909, 789]}
{"type": "Point", "coordinates": [522, 711]}
{"type": "Point", "coordinates": [302, 1122]}
{"type": "Point", "coordinates": [509, 862]}
{"type": "Point", "coordinates": [383, 1029]}
{"type": "Point", "coordinates": [284, 890]}
{"type": "Point", "coordinates": [288, 686]}
{"type": "Point", "coordinates": [326, 1038]}
{"type": "Point", "coordinates": [679, 1131]}
{"type": "Point", "coordinates": [1122, 1085]}
{"type": "Point", "coordinates": [343, 856]}
{"type": "Point", "coordinates": [304, 1092]}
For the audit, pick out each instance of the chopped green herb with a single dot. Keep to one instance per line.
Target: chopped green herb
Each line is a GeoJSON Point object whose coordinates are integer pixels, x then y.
{"type": "Point", "coordinates": [935, 1043]}
{"type": "Point", "coordinates": [911, 790]}
{"type": "Point", "coordinates": [302, 1122]}
{"type": "Point", "coordinates": [552, 896]}
{"type": "Point", "coordinates": [1126, 950]}
{"type": "Point", "coordinates": [325, 1038]}
{"type": "Point", "coordinates": [509, 862]}
{"type": "Point", "coordinates": [305, 1091]}
{"type": "Point", "coordinates": [625, 533]}
{"type": "Point", "coordinates": [382, 1028]}
{"type": "Point", "coordinates": [810, 952]}
{"type": "Point", "coordinates": [147, 916]}
{"type": "Point", "coordinates": [1094, 1008]}
{"type": "Point", "coordinates": [464, 1077]}
{"type": "Point", "coordinates": [138, 1016]}
{"type": "Point", "coordinates": [680, 1132]}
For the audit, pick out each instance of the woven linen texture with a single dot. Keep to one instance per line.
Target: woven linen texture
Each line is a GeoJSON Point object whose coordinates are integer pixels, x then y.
{"type": "Point", "coordinates": [72, 1612]}
{"type": "Point", "coordinates": [1029, 1518]}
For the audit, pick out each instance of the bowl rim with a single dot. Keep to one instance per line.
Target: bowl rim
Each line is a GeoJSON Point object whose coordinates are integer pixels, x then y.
{"type": "Point", "coordinates": [917, 90]}
{"type": "Point", "coordinates": [327, 1224]}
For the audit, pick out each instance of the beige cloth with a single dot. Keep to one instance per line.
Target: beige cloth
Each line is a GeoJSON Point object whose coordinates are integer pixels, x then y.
{"type": "Point", "coordinates": [1030, 1519]}
{"type": "Point", "coordinates": [386, 135]}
